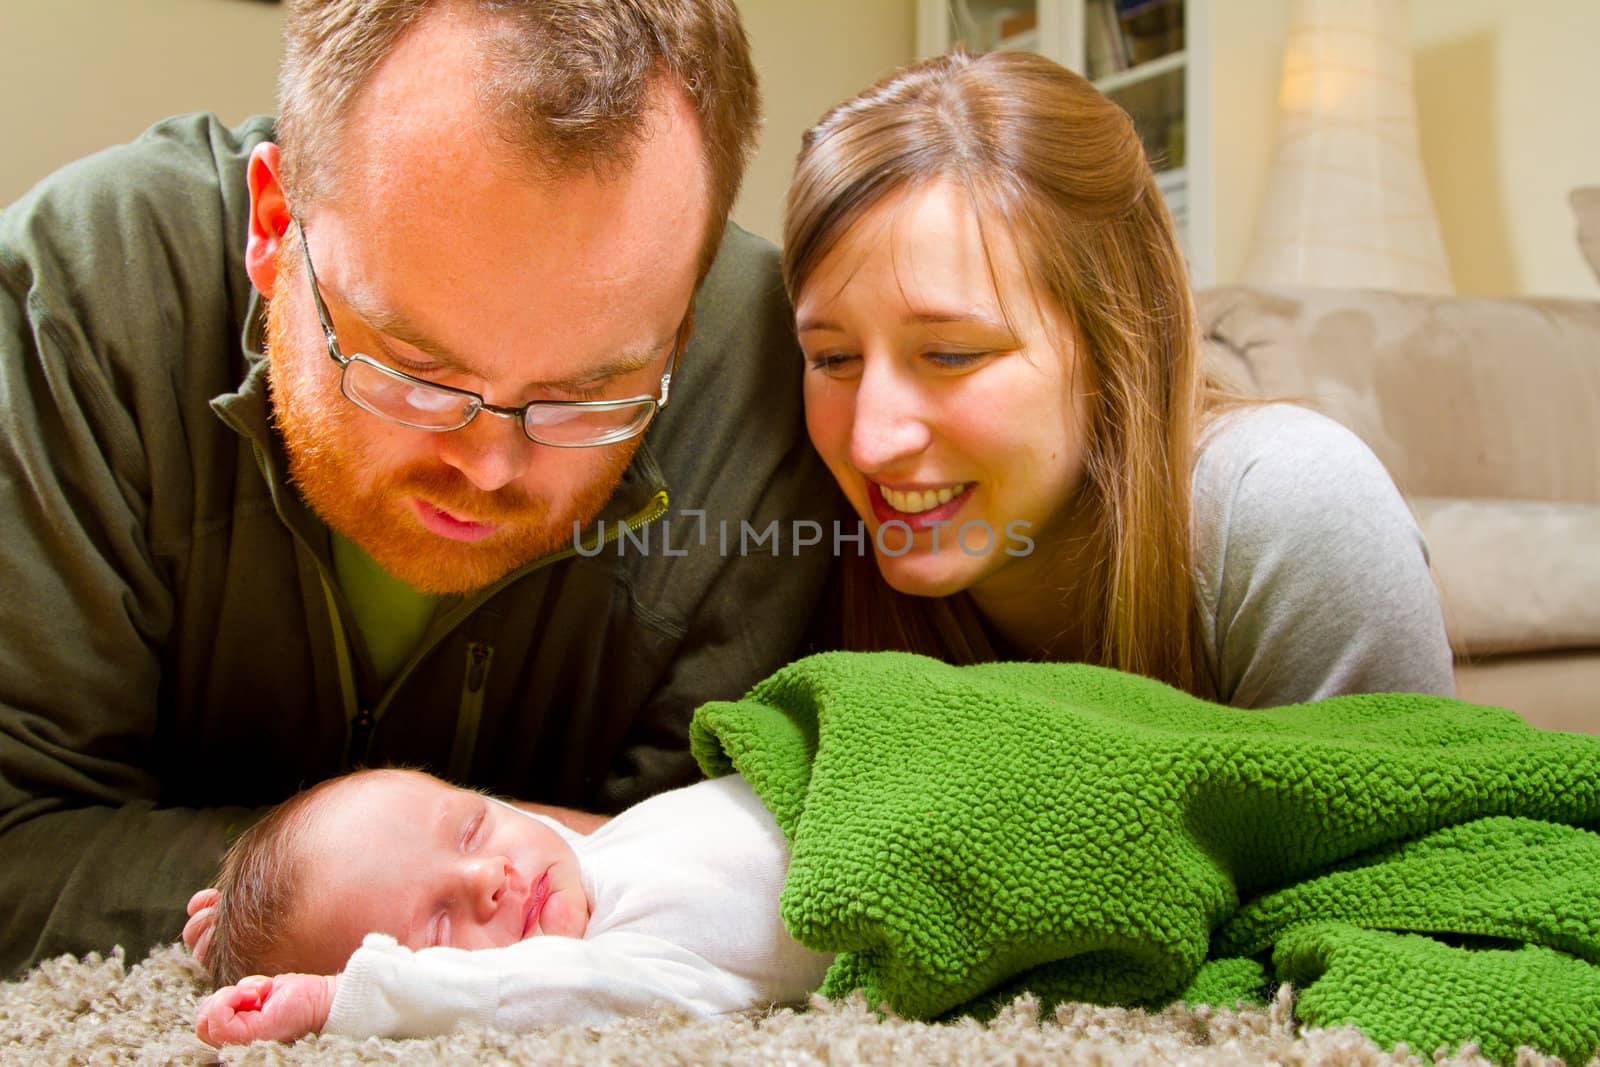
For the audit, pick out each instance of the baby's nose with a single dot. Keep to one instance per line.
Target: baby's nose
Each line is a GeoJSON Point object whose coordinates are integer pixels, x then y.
{"type": "Point", "coordinates": [488, 878]}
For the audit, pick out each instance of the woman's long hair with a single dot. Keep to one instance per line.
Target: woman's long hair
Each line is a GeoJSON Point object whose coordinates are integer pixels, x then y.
{"type": "Point", "coordinates": [1048, 159]}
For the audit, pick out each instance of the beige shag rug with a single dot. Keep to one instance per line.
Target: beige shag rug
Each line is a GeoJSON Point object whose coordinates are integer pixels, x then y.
{"type": "Point", "coordinates": [99, 1012]}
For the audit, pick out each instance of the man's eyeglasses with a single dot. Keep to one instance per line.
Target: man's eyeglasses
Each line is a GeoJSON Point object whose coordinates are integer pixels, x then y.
{"type": "Point", "coordinates": [424, 405]}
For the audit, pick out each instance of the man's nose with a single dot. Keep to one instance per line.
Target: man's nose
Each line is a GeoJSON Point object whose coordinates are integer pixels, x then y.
{"type": "Point", "coordinates": [891, 419]}
{"type": "Point", "coordinates": [490, 451]}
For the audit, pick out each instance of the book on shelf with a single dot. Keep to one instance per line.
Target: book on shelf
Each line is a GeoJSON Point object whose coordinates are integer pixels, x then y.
{"type": "Point", "coordinates": [1013, 22]}
{"type": "Point", "coordinates": [1150, 29]}
{"type": "Point", "coordinates": [1026, 41]}
{"type": "Point", "coordinates": [1105, 51]}
{"type": "Point", "coordinates": [1015, 29]}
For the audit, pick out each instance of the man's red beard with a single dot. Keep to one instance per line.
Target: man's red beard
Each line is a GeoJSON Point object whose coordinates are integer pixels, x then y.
{"type": "Point", "coordinates": [327, 438]}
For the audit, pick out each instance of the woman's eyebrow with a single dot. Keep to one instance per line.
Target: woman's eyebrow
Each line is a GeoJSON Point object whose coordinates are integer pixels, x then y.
{"type": "Point", "coordinates": [914, 317]}
{"type": "Point", "coordinates": [940, 316]}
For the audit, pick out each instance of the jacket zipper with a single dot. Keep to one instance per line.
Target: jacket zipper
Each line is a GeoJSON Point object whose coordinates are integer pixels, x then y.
{"type": "Point", "coordinates": [364, 720]}
{"type": "Point", "coordinates": [479, 655]}
{"type": "Point", "coordinates": [360, 738]}
{"type": "Point", "coordinates": [468, 743]}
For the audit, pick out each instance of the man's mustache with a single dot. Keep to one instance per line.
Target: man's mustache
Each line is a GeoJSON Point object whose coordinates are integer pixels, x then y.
{"type": "Point", "coordinates": [447, 488]}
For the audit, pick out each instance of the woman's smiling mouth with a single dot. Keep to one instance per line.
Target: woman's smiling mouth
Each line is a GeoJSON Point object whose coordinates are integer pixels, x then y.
{"type": "Point", "coordinates": [918, 508]}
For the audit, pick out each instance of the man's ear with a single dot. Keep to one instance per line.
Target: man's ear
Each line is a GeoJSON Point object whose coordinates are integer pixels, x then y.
{"type": "Point", "coordinates": [269, 218]}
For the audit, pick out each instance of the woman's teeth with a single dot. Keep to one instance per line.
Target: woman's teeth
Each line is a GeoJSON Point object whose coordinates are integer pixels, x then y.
{"type": "Point", "coordinates": [916, 501]}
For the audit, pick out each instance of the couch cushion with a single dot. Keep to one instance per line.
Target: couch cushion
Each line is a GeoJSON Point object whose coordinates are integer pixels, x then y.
{"type": "Point", "coordinates": [1586, 202]}
{"type": "Point", "coordinates": [1514, 575]}
{"type": "Point", "coordinates": [1458, 396]}
{"type": "Point", "coordinates": [1551, 690]}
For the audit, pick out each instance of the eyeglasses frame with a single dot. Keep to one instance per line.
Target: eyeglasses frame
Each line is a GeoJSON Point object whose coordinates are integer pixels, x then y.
{"type": "Point", "coordinates": [325, 318]}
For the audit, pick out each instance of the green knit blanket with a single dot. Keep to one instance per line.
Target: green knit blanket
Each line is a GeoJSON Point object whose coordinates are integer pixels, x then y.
{"type": "Point", "coordinates": [1423, 868]}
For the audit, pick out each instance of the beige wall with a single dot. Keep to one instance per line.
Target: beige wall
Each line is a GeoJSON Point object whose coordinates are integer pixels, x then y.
{"type": "Point", "coordinates": [1506, 97]}
{"type": "Point", "coordinates": [1247, 56]}
{"type": "Point", "coordinates": [812, 54]}
{"type": "Point", "coordinates": [1505, 102]}
{"type": "Point", "coordinates": [1503, 88]}
{"type": "Point", "coordinates": [83, 74]}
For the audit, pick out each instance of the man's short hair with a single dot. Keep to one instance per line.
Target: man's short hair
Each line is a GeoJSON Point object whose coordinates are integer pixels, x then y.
{"type": "Point", "coordinates": [569, 83]}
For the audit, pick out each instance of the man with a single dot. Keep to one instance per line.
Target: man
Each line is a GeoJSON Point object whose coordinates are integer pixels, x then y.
{"type": "Point", "coordinates": [300, 422]}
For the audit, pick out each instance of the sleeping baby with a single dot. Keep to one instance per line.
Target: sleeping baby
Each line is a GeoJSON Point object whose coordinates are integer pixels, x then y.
{"type": "Point", "coordinates": [389, 903]}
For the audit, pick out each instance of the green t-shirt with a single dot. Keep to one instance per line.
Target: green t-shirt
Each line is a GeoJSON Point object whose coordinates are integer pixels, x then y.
{"type": "Point", "coordinates": [391, 615]}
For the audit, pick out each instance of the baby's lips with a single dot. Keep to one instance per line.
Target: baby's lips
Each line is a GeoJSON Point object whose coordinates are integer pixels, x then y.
{"type": "Point", "coordinates": [537, 895]}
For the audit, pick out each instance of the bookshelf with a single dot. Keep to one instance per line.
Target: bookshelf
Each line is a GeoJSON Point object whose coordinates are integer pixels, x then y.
{"type": "Point", "coordinates": [1153, 57]}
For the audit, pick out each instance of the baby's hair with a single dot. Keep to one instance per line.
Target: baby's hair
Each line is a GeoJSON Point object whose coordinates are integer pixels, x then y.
{"type": "Point", "coordinates": [257, 888]}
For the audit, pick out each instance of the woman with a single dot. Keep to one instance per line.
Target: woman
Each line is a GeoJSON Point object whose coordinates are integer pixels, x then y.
{"type": "Point", "coordinates": [1003, 373]}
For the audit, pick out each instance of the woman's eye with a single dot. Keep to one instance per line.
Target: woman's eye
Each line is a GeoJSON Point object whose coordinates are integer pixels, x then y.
{"type": "Point", "coordinates": [954, 360]}
{"type": "Point", "coordinates": [838, 365]}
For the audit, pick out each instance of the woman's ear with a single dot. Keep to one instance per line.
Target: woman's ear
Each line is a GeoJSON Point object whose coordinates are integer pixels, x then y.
{"type": "Point", "coordinates": [269, 218]}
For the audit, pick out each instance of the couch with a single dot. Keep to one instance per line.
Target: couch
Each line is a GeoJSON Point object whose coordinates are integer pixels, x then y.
{"type": "Point", "coordinates": [1487, 414]}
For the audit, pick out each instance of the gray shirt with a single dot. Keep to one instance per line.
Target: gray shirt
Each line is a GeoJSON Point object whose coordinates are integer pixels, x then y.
{"type": "Point", "coordinates": [1311, 572]}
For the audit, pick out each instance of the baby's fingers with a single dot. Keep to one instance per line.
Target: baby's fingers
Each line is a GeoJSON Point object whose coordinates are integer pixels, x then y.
{"type": "Point", "coordinates": [231, 1015]}
{"type": "Point", "coordinates": [249, 994]}
{"type": "Point", "coordinates": [204, 898]}
{"type": "Point", "coordinates": [202, 922]}
{"type": "Point", "coordinates": [198, 929]}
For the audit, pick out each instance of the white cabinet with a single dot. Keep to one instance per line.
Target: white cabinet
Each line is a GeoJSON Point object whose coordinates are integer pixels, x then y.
{"type": "Point", "coordinates": [1151, 56]}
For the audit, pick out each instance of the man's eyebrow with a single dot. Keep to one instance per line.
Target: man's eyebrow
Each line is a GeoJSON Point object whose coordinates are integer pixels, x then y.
{"type": "Point", "coordinates": [391, 323]}
{"type": "Point", "coordinates": [615, 367]}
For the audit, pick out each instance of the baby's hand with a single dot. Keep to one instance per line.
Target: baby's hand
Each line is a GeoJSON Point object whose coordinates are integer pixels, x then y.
{"type": "Point", "coordinates": [202, 923]}
{"type": "Point", "coordinates": [283, 1008]}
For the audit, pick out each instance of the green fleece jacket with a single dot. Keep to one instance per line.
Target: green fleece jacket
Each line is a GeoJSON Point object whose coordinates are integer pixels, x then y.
{"type": "Point", "coordinates": [175, 651]}
{"type": "Point", "coordinates": [1421, 867]}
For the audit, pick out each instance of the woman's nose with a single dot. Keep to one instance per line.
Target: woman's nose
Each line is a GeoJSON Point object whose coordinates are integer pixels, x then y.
{"type": "Point", "coordinates": [891, 423]}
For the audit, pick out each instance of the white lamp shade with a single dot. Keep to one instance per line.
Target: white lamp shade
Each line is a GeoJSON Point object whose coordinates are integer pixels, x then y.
{"type": "Point", "coordinates": [1347, 203]}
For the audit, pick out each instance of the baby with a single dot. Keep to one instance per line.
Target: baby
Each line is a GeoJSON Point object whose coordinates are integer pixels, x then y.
{"type": "Point", "coordinates": [389, 903]}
